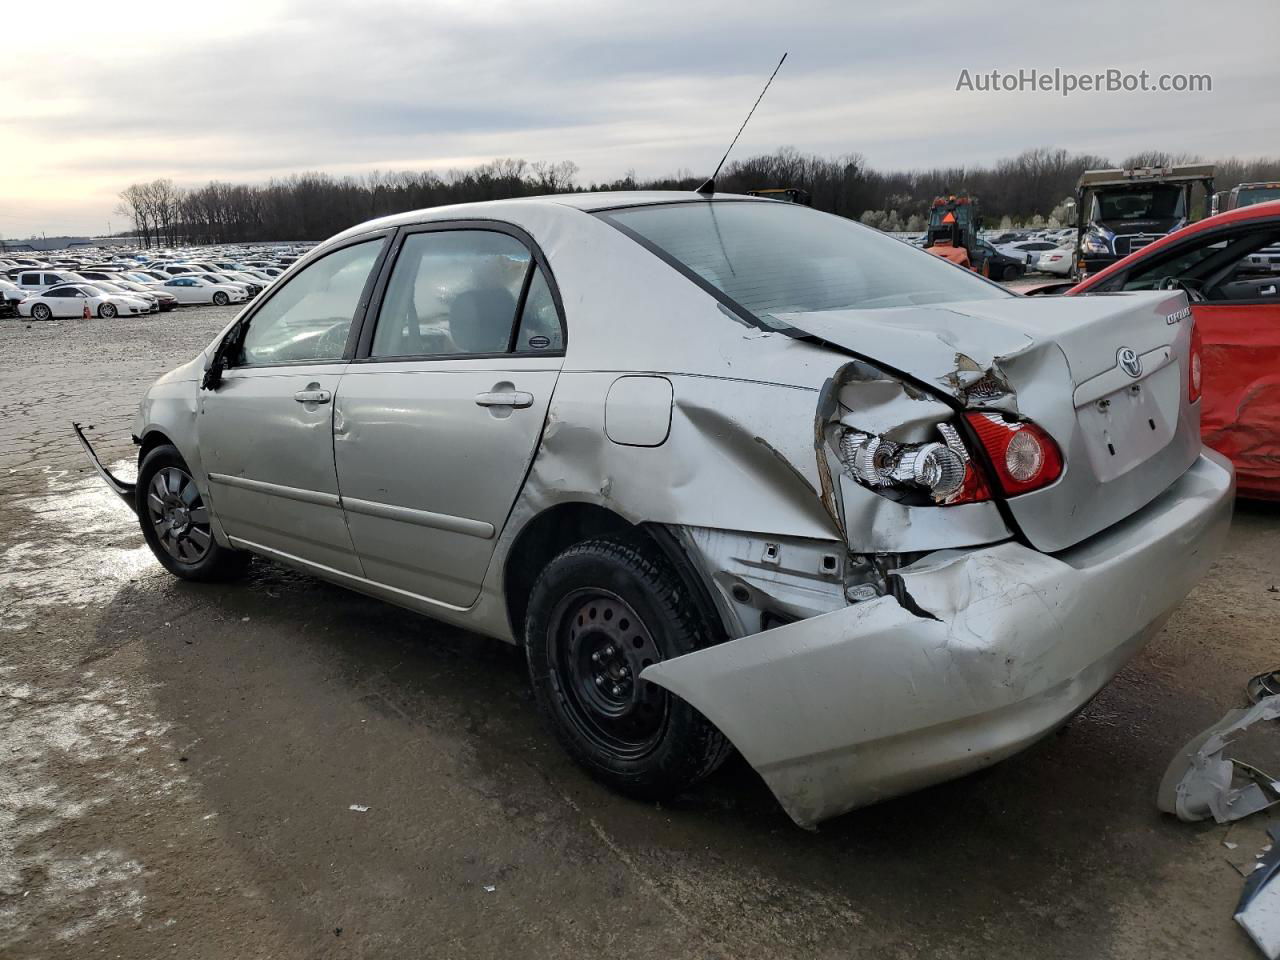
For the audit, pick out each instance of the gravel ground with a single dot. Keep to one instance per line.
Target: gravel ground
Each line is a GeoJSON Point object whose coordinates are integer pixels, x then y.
{"type": "Point", "coordinates": [179, 763]}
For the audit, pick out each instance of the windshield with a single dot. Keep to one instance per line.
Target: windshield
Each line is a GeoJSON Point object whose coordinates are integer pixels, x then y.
{"type": "Point", "coordinates": [775, 258]}
{"type": "Point", "coordinates": [1150, 203]}
{"type": "Point", "coordinates": [1251, 195]}
{"type": "Point", "coordinates": [959, 213]}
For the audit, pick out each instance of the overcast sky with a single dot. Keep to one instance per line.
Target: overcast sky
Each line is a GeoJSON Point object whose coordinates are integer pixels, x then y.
{"type": "Point", "coordinates": [103, 95]}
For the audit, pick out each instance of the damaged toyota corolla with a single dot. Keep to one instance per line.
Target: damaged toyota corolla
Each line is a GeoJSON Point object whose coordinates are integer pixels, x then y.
{"type": "Point", "coordinates": [736, 473]}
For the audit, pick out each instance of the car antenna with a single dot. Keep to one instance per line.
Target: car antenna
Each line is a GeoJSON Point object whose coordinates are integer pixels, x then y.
{"type": "Point", "coordinates": [709, 187]}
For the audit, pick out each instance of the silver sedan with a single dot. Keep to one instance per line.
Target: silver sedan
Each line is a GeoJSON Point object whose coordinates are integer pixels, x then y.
{"type": "Point", "coordinates": [735, 473]}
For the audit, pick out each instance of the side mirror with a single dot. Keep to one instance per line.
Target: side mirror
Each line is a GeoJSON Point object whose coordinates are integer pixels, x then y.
{"type": "Point", "coordinates": [216, 361]}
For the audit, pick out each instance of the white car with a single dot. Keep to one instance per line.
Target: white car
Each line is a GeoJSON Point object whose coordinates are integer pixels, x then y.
{"type": "Point", "coordinates": [71, 299]}
{"type": "Point", "coordinates": [249, 290]}
{"type": "Point", "coordinates": [118, 288]}
{"type": "Point", "coordinates": [195, 290]}
{"type": "Point", "coordinates": [10, 296]}
{"type": "Point", "coordinates": [37, 281]}
{"type": "Point", "coordinates": [1027, 251]}
{"type": "Point", "coordinates": [1059, 261]}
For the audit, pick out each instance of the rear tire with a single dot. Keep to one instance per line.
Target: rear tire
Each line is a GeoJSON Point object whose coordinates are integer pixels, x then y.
{"type": "Point", "coordinates": [220, 298]}
{"type": "Point", "coordinates": [1011, 272]}
{"type": "Point", "coordinates": [600, 613]}
{"type": "Point", "coordinates": [175, 521]}
{"type": "Point", "coordinates": [41, 311]}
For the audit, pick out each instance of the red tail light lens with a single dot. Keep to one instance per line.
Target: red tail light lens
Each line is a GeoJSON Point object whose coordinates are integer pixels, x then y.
{"type": "Point", "coordinates": [1194, 364]}
{"type": "Point", "coordinates": [1024, 456]}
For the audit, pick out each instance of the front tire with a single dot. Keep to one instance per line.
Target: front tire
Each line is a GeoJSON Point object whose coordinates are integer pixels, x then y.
{"type": "Point", "coordinates": [1011, 272]}
{"type": "Point", "coordinates": [107, 311]}
{"type": "Point", "coordinates": [221, 299]}
{"type": "Point", "coordinates": [175, 521]}
{"type": "Point", "coordinates": [601, 612]}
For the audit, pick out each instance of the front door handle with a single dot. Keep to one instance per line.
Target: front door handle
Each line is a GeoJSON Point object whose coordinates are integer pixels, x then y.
{"type": "Point", "coordinates": [504, 398]}
{"type": "Point", "coordinates": [313, 395]}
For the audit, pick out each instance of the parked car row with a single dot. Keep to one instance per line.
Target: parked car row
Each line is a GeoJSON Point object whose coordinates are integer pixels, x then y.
{"type": "Point", "coordinates": [69, 284]}
{"type": "Point", "coordinates": [1010, 253]}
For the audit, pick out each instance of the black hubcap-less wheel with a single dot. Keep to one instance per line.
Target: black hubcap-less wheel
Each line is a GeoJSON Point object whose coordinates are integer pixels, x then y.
{"type": "Point", "coordinates": [178, 515]}
{"type": "Point", "coordinates": [599, 647]}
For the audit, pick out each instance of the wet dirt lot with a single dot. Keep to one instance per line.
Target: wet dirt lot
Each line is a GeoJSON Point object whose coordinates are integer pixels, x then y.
{"type": "Point", "coordinates": [179, 763]}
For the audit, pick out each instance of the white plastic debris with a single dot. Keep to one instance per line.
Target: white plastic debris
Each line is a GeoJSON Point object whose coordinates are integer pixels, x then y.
{"type": "Point", "coordinates": [358, 808]}
{"type": "Point", "coordinates": [489, 888]}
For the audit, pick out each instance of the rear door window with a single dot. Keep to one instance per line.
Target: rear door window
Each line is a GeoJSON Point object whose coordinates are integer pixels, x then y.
{"type": "Point", "coordinates": [452, 293]}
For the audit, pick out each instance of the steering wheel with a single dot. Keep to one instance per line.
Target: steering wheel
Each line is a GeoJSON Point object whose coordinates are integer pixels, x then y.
{"type": "Point", "coordinates": [333, 341]}
{"type": "Point", "coordinates": [1188, 286]}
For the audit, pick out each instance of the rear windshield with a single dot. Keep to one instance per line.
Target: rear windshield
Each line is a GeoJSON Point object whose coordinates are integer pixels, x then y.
{"type": "Point", "coordinates": [770, 258]}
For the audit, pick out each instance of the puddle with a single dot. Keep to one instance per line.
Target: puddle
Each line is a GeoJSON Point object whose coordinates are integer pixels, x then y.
{"type": "Point", "coordinates": [78, 547]}
{"type": "Point", "coordinates": [74, 743]}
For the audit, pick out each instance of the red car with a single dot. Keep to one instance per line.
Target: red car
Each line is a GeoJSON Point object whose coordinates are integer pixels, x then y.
{"type": "Point", "coordinates": [1229, 266]}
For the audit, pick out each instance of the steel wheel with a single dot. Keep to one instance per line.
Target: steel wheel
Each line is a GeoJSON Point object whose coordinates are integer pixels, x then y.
{"type": "Point", "coordinates": [599, 646]}
{"type": "Point", "coordinates": [178, 515]}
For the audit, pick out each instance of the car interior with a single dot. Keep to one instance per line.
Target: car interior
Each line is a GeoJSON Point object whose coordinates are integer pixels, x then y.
{"type": "Point", "coordinates": [1213, 268]}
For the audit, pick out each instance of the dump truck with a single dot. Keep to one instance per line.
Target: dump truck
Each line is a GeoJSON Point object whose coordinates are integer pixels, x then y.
{"type": "Point", "coordinates": [1124, 209]}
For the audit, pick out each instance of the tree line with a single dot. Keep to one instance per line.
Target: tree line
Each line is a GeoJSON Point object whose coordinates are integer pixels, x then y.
{"type": "Point", "coordinates": [1028, 188]}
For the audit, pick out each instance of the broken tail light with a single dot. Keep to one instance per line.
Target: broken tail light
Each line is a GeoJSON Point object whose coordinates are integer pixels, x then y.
{"type": "Point", "coordinates": [941, 469]}
{"type": "Point", "coordinates": [1194, 365]}
{"type": "Point", "coordinates": [1025, 458]}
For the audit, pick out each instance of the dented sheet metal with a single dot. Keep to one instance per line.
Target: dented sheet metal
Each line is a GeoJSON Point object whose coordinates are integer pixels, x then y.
{"type": "Point", "coordinates": [1203, 782]}
{"type": "Point", "coordinates": [1021, 356]}
{"type": "Point", "coordinates": [855, 706]}
{"type": "Point", "coordinates": [1240, 409]}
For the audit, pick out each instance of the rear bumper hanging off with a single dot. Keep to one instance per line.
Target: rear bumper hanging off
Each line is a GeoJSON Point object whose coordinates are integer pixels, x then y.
{"type": "Point", "coordinates": [872, 700]}
{"type": "Point", "coordinates": [122, 488]}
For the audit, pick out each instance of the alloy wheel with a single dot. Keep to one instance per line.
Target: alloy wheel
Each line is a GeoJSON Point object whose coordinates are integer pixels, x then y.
{"type": "Point", "coordinates": [178, 515]}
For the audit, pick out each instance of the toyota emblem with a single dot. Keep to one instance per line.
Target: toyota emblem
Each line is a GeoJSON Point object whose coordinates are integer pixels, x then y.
{"type": "Point", "coordinates": [1129, 362]}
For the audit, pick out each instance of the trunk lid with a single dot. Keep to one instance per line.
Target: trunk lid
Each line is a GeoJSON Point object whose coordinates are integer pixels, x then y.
{"type": "Point", "coordinates": [1125, 436]}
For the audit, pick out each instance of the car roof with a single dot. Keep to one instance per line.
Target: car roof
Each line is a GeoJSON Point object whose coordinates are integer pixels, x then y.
{"type": "Point", "coordinates": [588, 202]}
{"type": "Point", "coordinates": [1257, 211]}
{"type": "Point", "coordinates": [492, 209]}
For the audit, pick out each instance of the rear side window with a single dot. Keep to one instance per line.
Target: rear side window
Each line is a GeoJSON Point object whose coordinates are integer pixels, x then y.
{"type": "Point", "coordinates": [539, 321]}
{"type": "Point", "coordinates": [452, 293]}
{"type": "Point", "coordinates": [770, 259]}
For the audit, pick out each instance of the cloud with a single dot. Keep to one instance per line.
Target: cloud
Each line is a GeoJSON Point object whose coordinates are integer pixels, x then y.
{"type": "Point", "coordinates": [274, 86]}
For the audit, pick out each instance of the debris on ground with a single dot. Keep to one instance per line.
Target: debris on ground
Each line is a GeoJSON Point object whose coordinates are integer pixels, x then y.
{"type": "Point", "coordinates": [358, 808]}
{"type": "Point", "coordinates": [1201, 783]}
{"type": "Point", "coordinates": [1259, 908]}
{"type": "Point", "coordinates": [1264, 685]}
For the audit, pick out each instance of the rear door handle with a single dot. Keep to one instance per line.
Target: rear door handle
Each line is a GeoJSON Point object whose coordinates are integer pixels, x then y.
{"type": "Point", "coordinates": [313, 396]}
{"type": "Point", "coordinates": [505, 398]}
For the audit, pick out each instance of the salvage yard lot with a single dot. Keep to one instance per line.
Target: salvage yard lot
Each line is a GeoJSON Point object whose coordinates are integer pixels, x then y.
{"type": "Point", "coordinates": [185, 767]}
